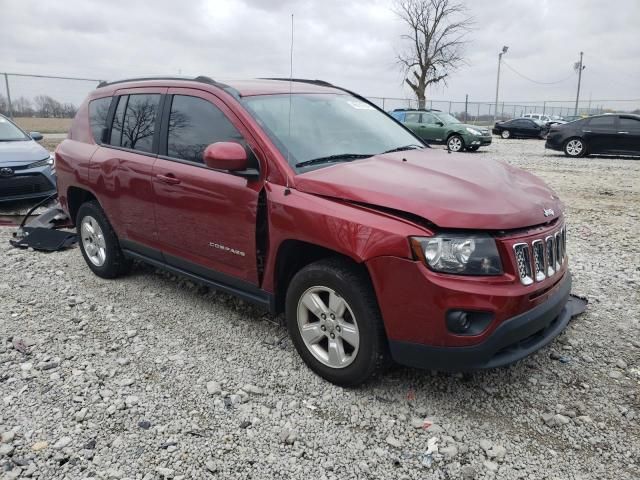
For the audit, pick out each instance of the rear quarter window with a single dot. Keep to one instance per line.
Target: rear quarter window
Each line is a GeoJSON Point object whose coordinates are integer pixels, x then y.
{"type": "Point", "coordinates": [98, 112]}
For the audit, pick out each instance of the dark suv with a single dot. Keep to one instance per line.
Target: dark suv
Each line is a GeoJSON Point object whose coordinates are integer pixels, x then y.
{"type": "Point", "coordinates": [305, 198]}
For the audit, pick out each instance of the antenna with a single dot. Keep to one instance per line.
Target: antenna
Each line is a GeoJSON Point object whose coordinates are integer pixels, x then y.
{"type": "Point", "coordinates": [287, 191]}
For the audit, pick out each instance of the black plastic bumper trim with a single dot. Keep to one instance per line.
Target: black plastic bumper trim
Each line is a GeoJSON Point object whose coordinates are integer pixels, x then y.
{"type": "Point", "coordinates": [513, 340]}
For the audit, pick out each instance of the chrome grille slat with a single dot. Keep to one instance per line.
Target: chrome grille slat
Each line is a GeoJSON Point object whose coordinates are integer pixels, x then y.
{"type": "Point", "coordinates": [551, 255]}
{"type": "Point", "coordinates": [538, 260]}
{"type": "Point", "coordinates": [523, 259]}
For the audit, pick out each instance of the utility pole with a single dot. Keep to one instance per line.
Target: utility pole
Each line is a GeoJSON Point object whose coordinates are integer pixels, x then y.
{"type": "Point", "coordinates": [579, 67]}
{"type": "Point", "coordinates": [495, 111]}
{"type": "Point", "coordinates": [6, 82]}
{"type": "Point", "coordinates": [466, 106]}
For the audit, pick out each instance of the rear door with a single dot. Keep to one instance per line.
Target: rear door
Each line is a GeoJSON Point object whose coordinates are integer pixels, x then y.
{"type": "Point", "coordinates": [120, 171]}
{"type": "Point", "coordinates": [628, 134]}
{"type": "Point", "coordinates": [412, 121]}
{"type": "Point", "coordinates": [601, 135]}
{"type": "Point", "coordinates": [206, 218]}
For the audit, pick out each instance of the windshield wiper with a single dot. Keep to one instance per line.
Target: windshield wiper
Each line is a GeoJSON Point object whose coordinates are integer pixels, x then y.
{"type": "Point", "coordinates": [401, 149]}
{"type": "Point", "coordinates": [334, 158]}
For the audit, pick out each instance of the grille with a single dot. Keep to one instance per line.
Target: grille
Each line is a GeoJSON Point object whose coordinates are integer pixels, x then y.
{"type": "Point", "coordinates": [24, 185]}
{"type": "Point", "coordinates": [542, 258]}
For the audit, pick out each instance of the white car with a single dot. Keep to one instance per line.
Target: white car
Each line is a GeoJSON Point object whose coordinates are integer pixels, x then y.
{"type": "Point", "coordinates": [545, 119]}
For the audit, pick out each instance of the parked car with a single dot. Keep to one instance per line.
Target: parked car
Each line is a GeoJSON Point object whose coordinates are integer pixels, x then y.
{"type": "Point", "coordinates": [571, 118]}
{"type": "Point", "coordinates": [26, 168]}
{"type": "Point", "coordinates": [541, 117]}
{"type": "Point", "coordinates": [434, 126]}
{"type": "Point", "coordinates": [520, 128]}
{"type": "Point", "coordinates": [375, 247]}
{"type": "Point", "coordinates": [605, 134]}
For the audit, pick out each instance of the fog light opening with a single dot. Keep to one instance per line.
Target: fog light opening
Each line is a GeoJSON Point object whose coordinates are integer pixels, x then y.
{"type": "Point", "coordinates": [462, 322]}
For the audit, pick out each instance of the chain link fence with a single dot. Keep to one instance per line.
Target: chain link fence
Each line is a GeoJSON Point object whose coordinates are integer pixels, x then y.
{"type": "Point", "coordinates": [51, 96]}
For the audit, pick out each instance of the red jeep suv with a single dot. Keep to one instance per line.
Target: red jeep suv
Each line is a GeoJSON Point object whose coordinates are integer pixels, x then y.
{"type": "Point", "coordinates": [307, 199]}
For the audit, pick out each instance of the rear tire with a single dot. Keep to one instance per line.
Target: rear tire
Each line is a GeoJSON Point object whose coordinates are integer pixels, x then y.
{"type": "Point", "coordinates": [575, 147]}
{"type": "Point", "coordinates": [505, 134]}
{"type": "Point", "coordinates": [98, 242]}
{"type": "Point", "coordinates": [332, 303]}
{"type": "Point", "coordinates": [455, 143]}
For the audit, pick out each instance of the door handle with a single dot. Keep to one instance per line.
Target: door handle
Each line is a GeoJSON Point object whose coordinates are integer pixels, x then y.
{"type": "Point", "coordinates": [169, 178]}
{"type": "Point", "coordinates": [623, 132]}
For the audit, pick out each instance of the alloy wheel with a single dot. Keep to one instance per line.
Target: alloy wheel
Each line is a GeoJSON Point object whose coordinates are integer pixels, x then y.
{"type": "Point", "coordinates": [505, 134]}
{"type": "Point", "coordinates": [93, 241]}
{"type": "Point", "coordinates": [574, 147]}
{"type": "Point", "coordinates": [328, 327]}
{"type": "Point", "coordinates": [455, 144]}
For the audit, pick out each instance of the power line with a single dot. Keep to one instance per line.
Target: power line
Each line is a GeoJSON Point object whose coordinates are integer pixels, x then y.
{"type": "Point", "coordinates": [536, 81]}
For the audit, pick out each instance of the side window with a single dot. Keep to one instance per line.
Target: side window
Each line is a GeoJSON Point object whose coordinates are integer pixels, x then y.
{"type": "Point", "coordinates": [412, 117]}
{"type": "Point", "coordinates": [195, 123]}
{"type": "Point", "coordinates": [628, 123]}
{"type": "Point", "coordinates": [428, 119]}
{"type": "Point", "coordinates": [98, 112]}
{"type": "Point", "coordinates": [118, 120]}
{"type": "Point", "coordinates": [602, 122]}
{"type": "Point", "coordinates": [140, 121]}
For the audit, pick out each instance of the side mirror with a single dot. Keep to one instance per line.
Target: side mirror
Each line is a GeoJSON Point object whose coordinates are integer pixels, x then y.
{"type": "Point", "coordinates": [37, 136]}
{"type": "Point", "coordinates": [229, 156]}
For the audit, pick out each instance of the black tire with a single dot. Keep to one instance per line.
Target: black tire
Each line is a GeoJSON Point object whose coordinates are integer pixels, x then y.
{"type": "Point", "coordinates": [505, 134]}
{"type": "Point", "coordinates": [115, 263]}
{"type": "Point", "coordinates": [575, 147]}
{"type": "Point", "coordinates": [352, 283]}
{"type": "Point", "coordinates": [455, 143]}
{"type": "Point", "coordinates": [473, 148]}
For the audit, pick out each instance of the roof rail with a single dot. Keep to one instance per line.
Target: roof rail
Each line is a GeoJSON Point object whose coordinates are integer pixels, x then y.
{"type": "Point", "coordinates": [199, 78]}
{"type": "Point", "coordinates": [321, 83]}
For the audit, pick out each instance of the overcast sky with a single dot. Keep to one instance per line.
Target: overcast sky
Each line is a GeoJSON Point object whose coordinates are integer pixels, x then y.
{"type": "Point", "coordinates": [352, 43]}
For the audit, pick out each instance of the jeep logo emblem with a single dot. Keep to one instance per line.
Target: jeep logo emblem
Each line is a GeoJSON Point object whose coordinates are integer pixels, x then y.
{"type": "Point", "coordinates": [6, 172]}
{"type": "Point", "coordinates": [548, 212]}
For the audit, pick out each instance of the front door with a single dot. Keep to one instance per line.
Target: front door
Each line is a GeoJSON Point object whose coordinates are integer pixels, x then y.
{"type": "Point", "coordinates": [433, 128]}
{"type": "Point", "coordinates": [206, 219]}
{"type": "Point", "coordinates": [628, 132]}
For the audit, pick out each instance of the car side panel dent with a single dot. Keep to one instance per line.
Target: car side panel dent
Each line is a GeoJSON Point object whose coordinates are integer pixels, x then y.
{"type": "Point", "coordinates": [358, 233]}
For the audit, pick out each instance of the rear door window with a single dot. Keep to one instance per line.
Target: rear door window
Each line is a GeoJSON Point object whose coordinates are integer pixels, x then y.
{"type": "Point", "coordinates": [412, 118]}
{"type": "Point", "coordinates": [140, 121]}
{"type": "Point", "coordinates": [98, 113]}
{"type": "Point", "coordinates": [195, 123]}
{"type": "Point", "coordinates": [606, 122]}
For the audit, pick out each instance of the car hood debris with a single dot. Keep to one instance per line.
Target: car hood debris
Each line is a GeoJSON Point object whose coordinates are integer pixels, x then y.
{"type": "Point", "coordinates": [448, 190]}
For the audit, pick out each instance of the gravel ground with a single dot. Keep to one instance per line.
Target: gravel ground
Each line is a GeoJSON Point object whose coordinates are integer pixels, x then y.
{"type": "Point", "coordinates": [152, 377]}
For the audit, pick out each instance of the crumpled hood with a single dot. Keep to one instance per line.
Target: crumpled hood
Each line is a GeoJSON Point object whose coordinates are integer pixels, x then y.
{"type": "Point", "coordinates": [475, 127]}
{"type": "Point", "coordinates": [13, 154]}
{"type": "Point", "coordinates": [449, 190]}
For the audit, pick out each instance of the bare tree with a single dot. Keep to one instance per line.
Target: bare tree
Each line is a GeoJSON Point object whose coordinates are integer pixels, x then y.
{"type": "Point", "coordinates": [437, 30]}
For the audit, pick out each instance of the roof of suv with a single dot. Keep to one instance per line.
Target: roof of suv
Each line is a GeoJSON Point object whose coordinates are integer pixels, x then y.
{"type": "Point", "coordinates": [242, 88]}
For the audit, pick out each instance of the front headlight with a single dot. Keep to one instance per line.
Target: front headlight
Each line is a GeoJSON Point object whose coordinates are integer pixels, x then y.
{"type": "Point", "coordinates": [458, 253]}
{"type": "Point", "coordinates": [473, 131]}
{"type": "Point", "coordinates": [43, 163]}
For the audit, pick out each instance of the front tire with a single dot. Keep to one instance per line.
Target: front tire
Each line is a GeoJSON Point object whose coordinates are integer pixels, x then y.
{"type": "Point", "coordinates": [335, 323]}
{"type": "Point", "coordinates": [575, 147]}
{"type": "Point", "coordinates": [455, 143]}
{"type": "Point", "coordinates": [98, 242]}
{"type": "Point", "coordinates": [505, 134]}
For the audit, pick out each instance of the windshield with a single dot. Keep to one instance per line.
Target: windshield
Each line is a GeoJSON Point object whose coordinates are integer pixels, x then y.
{"type": "Point", "coordinates": [447, 118]}
{"type": "Point", "coordinates": [329, 127]}
{"type": "Point", "coordinates": [9, 132]}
